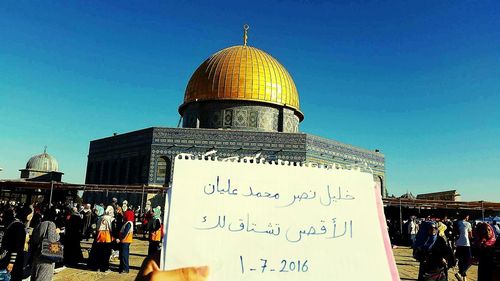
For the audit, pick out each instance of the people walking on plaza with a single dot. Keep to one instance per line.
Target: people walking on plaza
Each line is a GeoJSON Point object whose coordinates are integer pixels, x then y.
{"type": "Point", "coordinates": [434, 255]}
{"type": "Point", "coordinates": [101, 248]}
{"type": "Point", "coordinates": [485, 250]}
{"type": "Point", "coordinates": [115, 251]}
{"type": "Point", "coordinates": [125, 239]}
{"type": "Point", "coordinates": [86, 215]}
{"type": "Point", "coordinates": [114, 203]}
{"type": "Point", "coordinates": [26, 214]}
{"type": "Point", "coordinates": [37, 217]}
{"type": "Point", "coordinates": [463, 250]}
{"type": "Point", "coordinates": [98, 212]}
{"type": "Point", "coordinates": [441, 228]}
{"type": "Point", "coordinates": [496, 228]}
{"type": "Point", "coordinates": [449, 232]}
{"type": "Point", "coordinates": [118, 219]}
{"type": "Point", "coordinates": [11, 250]}
{"type": "Point", "coordinates": [155, 231]}
{"type": "Point", "coordinates": [42, 269]}
{"type": "Point", "coordinates": [72, 238]}
{"type": "Point", "coordinates": [125, 205]}
{"type": "Point", "coordinates": [146, 218]}
{"type": "Point", "coordinates": [412, 229]}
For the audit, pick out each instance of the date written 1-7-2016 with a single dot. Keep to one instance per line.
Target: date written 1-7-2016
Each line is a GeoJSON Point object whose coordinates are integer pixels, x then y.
{"type": "Point", "coordinates": [285, 265]}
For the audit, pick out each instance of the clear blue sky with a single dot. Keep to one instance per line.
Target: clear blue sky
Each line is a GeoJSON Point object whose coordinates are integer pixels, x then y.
{"type": "Point", "coordinates": [419, 80]}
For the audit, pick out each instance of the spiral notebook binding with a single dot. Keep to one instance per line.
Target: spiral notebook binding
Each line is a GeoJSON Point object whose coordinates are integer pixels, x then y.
{"type": "Point", "coordinates": [257, 159]}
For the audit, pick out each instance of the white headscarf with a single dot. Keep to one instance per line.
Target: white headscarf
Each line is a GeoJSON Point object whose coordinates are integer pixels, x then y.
{"type": "Point", "coordinates": [110, 211]}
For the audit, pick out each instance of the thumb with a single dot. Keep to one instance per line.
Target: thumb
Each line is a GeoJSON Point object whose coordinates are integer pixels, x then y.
{"type": "Point", "coordinates": [182, 274]}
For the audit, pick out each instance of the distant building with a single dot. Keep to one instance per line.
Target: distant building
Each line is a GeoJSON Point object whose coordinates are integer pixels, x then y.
{"type": "Point", "coordinates": [408, 195]}
{"type": "Point", "coordinates": [42, 167]}
{"type": "Point", "coordinates": [450, 195]}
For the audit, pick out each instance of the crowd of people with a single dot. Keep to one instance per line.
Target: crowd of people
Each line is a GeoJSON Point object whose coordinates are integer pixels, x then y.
{"type": "Point", "coordinates": [441, 244]}
{"type": "Point", "coordinates": [35, 238]}
{"type": "Point", "coordinates": [26, 230]}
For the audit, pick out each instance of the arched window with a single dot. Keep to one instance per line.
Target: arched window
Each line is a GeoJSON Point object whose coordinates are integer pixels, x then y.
{"type": "Point", "coordinates": [380, 184]}
{"type": "Point", "coordinates": [163, 170]}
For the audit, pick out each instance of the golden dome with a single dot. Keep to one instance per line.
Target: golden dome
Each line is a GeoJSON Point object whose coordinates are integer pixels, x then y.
{"type": "Point", "coordinates": [242, 73]}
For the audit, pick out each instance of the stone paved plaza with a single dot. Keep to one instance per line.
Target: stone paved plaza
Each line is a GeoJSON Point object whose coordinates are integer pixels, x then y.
{"type": "Point", "coordinates": [407, 267]}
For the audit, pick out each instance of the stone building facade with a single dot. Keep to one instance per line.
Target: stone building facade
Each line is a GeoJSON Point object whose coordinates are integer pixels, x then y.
{"type": "Point", "coordinates": [146, 156]}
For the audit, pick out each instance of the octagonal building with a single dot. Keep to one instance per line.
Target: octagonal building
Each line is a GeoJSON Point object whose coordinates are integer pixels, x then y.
{"type": "Point", "coordinates": [239, 102]}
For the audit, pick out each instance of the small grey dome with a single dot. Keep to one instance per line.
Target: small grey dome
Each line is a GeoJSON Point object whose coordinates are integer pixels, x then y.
{"type": "Point", "coordinates": [43, 162]}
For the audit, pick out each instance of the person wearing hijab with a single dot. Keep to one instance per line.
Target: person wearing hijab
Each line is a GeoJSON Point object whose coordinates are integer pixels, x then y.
{"type": "Point", "coordinates": [485, 245]}
{"type": "Point", "coordinates": [101, 249]}
{"type": "Point", "coordinates": [125, 205]}
{"type": "Point", "coordinates": [42, 270]}
{"type": "Point", "coordinates": [155, 231]}
{"type": "Point", "coordinates": [434, 255]}
{"type": "Point", "coordinates": [125, 239]}
{"type": "Point", "coordinates": [72, 238]}
{"type": "Point", "coordinates": [98, 212]}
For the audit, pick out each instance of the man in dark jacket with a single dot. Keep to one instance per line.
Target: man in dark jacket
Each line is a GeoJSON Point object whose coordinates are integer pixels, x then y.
{"type": "Point", "coordinates": [13, 245]}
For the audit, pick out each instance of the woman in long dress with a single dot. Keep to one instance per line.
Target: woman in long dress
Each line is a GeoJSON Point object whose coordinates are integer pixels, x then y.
{"type": "Point", "coordinates": [41, 269]}
{"type": "Point", "coordinates": [72, 238]}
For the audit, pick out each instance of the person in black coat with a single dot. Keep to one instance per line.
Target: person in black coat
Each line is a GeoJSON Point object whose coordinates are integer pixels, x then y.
{"type": "Point", "coordinates": [72, 249]}
{"type": "Point", "coordinates": [12, 256]}
{"type": "Point", "coordinates": [434, 255]}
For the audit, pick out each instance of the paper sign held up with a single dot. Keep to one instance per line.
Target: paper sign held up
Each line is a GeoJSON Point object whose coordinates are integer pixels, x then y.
{"type": "Point", "coordinates": [256, 221]}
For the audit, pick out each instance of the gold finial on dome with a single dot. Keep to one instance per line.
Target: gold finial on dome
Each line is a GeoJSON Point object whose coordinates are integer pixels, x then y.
{"type": "Point", "coordinates": [245, 36]}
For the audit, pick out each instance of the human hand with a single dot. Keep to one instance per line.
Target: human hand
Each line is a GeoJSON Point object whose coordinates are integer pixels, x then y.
{"type": "Point", "coordinates": [10, 267]}
{"type": "Point", "coordinates": [117, 240]}
{"type": "Point", "coordinates": [58, 230]}
{"type": "Point", "coordinates": [150, 271]}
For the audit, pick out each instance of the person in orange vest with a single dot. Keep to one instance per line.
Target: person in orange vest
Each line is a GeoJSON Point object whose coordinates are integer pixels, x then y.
{"type": "Point", "coordinates": [105, 227]}
{"type": "Point", "coordinates": [125, 239]}
{"type": "Point", "coordinates": [155, 231]}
